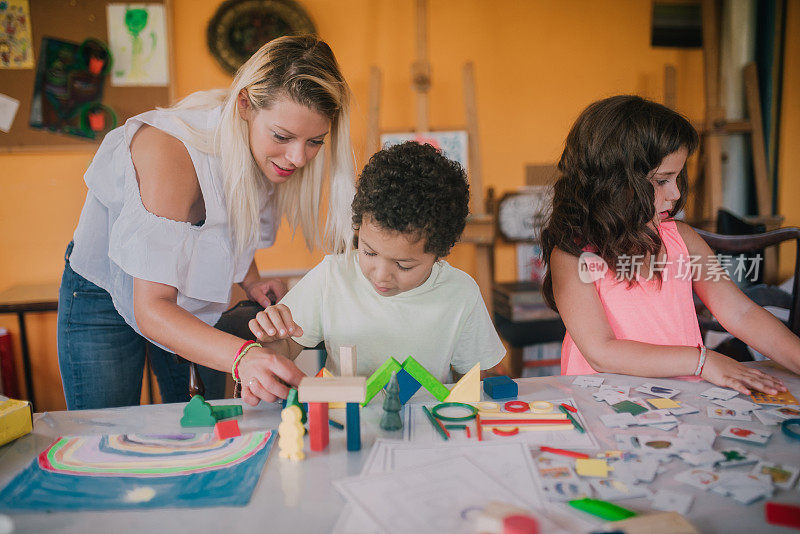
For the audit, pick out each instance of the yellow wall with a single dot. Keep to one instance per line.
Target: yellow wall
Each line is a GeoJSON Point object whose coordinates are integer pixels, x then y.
{"type": "Point", "coordinates": [537, 65]}
{"type": "Point", "coordinates": [788, 155]}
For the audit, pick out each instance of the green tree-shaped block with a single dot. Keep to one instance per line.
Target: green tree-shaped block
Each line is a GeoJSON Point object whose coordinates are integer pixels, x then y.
{"type": "Point", "coordinates": [391, 406]}
{"type": "Point", "coordinates": [198, 413]}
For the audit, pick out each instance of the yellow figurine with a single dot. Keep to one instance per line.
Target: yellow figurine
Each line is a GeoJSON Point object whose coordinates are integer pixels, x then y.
{"type": "Point", "coordinates": [290, 434]}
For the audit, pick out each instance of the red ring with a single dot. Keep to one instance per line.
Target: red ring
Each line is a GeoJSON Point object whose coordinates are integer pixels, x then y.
{"type": "Point", "coordinates": [506, 432]}
{"type": "Point", "coordinates": [517, 406]}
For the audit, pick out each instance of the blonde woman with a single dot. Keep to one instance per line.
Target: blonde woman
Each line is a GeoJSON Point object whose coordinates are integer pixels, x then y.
{"type": "Point", "coordinates": [179, 200]}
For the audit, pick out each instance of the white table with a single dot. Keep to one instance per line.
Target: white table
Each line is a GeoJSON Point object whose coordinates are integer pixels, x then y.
{"type": "Point", "coordinates": [300, 498]}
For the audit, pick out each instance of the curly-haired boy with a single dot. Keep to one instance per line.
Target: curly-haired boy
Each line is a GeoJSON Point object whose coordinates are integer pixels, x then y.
{"type": "Point", "coordinates": [394, 295]}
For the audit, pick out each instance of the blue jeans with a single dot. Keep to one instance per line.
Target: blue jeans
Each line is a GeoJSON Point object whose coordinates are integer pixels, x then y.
{"type": "Point", "coordinates": [102, 358]}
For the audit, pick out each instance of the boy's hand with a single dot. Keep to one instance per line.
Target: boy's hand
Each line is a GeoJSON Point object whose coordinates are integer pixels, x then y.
{"type": "Point", "coordinates": [274, 323]}
{"type": "Point", "coordinates": [727, 372]}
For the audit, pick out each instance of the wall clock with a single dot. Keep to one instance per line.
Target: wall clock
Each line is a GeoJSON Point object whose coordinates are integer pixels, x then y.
{"type": "Point", "coordinates": [240, 27]}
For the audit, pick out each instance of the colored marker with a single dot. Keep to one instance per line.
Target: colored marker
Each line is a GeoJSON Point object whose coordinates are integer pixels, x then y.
{"type": "Point", "coordinates": [602, 509]}
{"type": "Point", "coordinates": [442, 432]}
{"type": "Point", "coordinates": [575, 423]}
{"type": "Point", "coordinates": [564, 452]}
{"type": "Point", "coordinates": [336, 424]}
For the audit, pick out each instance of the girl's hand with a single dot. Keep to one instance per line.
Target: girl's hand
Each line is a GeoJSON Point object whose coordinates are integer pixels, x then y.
{"type": "Point", "coordinates": [266, 292]}
{"type": "Point", "coordinates": [274, 323]}
{"type": "Point", "coordinates": [727, 372]}
{"type": "Point", "coordinates": [267, 376]}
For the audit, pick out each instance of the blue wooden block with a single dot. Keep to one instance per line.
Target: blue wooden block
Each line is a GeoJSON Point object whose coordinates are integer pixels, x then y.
{"type": "Point", "coordinates": [500, 387]}
{"type": "Point", "coordinates": [408, 385]}
{"type": "Point", "coordinates": [353, 423]}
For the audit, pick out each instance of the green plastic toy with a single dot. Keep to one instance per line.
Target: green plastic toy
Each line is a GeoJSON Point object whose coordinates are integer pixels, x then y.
{"type": "Point", "coordinates": [226, 411]}
{"type": "Point", "coordinates": [602, 509]}
{"type": "Point", "coordinates": [391, 406]}
{"type": "Point", "coordinates": [198, 413]}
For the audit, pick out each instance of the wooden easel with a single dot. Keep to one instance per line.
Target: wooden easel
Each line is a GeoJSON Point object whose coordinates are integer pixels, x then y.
{"type": "Point", "coordinates": [715, 126]}
{"type": "Point", "coordinates": [480, 224]}
{"type": "Point", "coordinates": [713, 130]}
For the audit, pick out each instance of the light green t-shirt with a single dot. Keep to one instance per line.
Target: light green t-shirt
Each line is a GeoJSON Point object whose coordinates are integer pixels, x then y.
{"type": "Point", "coordinates": [442, 322]}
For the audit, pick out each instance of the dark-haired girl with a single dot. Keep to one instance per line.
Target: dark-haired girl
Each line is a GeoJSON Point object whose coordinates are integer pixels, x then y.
{"type": "Point", "coordinates": [621, 269]}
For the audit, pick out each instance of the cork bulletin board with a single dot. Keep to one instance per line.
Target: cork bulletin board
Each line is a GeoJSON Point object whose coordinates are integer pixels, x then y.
{"type": "Point", "coordinates": [76, 21]}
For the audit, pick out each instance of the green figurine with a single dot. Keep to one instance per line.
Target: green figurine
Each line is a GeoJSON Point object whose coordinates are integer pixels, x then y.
{"type": "Point", "coordinates": [391, 406]}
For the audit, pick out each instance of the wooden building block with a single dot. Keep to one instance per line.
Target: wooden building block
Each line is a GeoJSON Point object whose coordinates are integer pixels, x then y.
{"type": "Point", "coordinates": [655, 523]}
{"type": "Point", "coordinates": [324, 373]}
{"type": "Point", "coordinates": [318, 425]}
{"type": "Point", "coordinates": [468, 389]}
{"type": "Point", "coordinates": [500, 387]}
{"type": "Point", "coordinates": [353, 423]}
{"type": "Point", "coordinates": [16, 419]}
{"type": "Point", "coordinates": [336, 389]}
{"type": "Point", "coordinates": [347, 360]}
{"type": "Point", "coordinates": [227, 429]}
{"type": "Point", "coordinates": [226, 411]}
{"type": "Point", "coordinates": [408, 385]}
{"type": "Point", "coordinates": [782, 513]}
{"type": "Point", "coordinates": [380, 378]}
{"type": "Point", "coordinates": [424, 377]}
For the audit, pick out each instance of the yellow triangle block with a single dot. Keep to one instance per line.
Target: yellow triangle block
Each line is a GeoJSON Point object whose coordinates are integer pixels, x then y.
{"type": "Point", "coordinates": [468, 389]}
{"type": "Point", "coordinates": [332, 405]}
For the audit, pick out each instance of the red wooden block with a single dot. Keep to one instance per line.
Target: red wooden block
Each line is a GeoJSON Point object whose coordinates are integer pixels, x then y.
{"type": "Point", "coordinates": [784, 514]}
{"type": "Point", "coordinates": [227, 429]}
{"type": "Point", "coordinates": [318, 425]}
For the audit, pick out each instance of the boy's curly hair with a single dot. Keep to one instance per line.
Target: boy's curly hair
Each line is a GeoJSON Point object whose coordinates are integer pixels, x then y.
{"type": "Point", "coordinates": [413, 188]}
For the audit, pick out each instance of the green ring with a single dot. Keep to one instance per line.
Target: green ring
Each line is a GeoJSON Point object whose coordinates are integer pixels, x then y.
{"type": "Point", "coordinates": [471, 408]}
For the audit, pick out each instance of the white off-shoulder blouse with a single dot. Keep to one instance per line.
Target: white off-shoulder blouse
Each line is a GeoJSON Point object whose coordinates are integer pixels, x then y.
{"type": "Point", "coordinates": [117, 239]}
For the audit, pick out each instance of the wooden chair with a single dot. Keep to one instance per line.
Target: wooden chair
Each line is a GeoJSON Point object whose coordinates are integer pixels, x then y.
{"type": "Point", "coordinates": [760, 294]}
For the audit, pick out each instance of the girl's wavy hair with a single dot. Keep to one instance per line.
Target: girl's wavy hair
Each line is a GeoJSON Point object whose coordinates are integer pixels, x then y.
{"type": "Point", "coordinates": [304, 69]}
{"type": "Point", "coordinates": [604, 197]}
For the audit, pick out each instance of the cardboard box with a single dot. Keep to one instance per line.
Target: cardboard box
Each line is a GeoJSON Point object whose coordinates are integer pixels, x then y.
{"type": "Point", "coordinates": [16, 419]}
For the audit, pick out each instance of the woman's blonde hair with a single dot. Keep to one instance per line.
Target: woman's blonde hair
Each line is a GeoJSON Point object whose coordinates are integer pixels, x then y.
{"type": "Point", "coordinates": [304, 69]}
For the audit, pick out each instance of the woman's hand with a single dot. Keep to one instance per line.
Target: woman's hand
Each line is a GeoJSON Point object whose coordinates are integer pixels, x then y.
{"type": "Point", "coordinates": [274, 323]}
{"type": "Point", "coordinates": [727, 372]}
{"type": "Point", "coordinates": [265, 292]}
{"type": "Point", "coordinates": [267, 376]}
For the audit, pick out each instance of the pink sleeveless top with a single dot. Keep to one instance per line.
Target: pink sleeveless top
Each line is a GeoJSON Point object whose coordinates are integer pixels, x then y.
{"type": "Point", "coordinates": [645, 312]}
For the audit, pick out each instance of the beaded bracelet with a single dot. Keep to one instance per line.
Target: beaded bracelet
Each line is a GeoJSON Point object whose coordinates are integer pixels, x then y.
{"type": "Point", "coordinates": [239, 355]}
{"type": "Point", "coordinates": [702, 361]}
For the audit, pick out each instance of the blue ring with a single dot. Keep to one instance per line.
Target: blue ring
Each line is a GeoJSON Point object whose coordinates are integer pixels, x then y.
{"type": "Point", "coordinates": [788, 431]}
